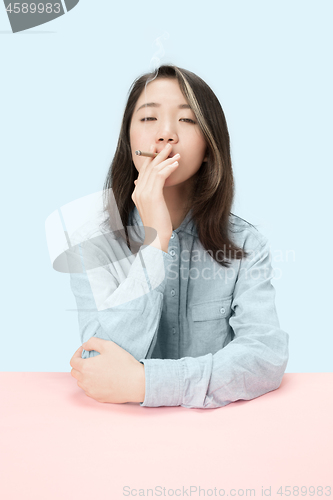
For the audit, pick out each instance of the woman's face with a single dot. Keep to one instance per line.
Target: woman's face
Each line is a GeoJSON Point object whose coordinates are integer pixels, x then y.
{"type": "Point", "coordinates": [169, 120]}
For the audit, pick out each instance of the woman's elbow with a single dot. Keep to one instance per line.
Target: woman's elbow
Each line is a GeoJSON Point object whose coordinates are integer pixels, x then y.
{"type": "Point", "coordinates": [278, 367]}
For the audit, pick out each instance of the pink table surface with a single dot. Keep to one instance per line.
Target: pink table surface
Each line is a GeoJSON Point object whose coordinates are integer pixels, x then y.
{"type": "Point", "coordinates": [57, 443]}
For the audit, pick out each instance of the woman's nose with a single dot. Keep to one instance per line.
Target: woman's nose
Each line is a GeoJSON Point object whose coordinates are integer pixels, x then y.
{"type": "Point", "coordinates": [166, 134]}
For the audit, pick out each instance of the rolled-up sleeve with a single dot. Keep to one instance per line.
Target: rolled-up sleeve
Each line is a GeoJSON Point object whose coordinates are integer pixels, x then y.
{"type": "Point", "coordinates": [252, 364]}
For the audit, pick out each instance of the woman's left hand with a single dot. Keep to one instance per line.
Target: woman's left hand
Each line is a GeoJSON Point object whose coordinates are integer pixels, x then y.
{"type": "Point", "coordinates": [113, 376]}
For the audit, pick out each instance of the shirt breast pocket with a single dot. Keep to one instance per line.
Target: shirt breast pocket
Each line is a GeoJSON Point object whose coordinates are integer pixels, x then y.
{"type": "Point", "coordinates": [211, 323]}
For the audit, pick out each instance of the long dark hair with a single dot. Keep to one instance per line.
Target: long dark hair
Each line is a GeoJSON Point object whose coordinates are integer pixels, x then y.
{"type": "Point", "coordinates": [213, 184]}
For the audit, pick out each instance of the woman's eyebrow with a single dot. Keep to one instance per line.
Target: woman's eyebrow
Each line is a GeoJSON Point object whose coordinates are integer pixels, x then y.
{"type": "Point", "coordinates": [157, 105]}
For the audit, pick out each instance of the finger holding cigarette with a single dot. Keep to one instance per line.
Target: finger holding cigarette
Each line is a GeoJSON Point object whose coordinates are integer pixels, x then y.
{"type": "Point", "coordinates": [148, 193]}
{"type": "Point", "coordinates": [149, 165]}
{"type": "Point", "coordinates": [156, 160]}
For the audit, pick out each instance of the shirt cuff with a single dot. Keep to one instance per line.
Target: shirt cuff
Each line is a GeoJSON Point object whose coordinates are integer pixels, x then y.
{"type": "Point", "coordinates": [149, 267]}
{"type": "Point", "coordinates": [163, 382]}
{"type": "Point", "coordinates": [177, 382]}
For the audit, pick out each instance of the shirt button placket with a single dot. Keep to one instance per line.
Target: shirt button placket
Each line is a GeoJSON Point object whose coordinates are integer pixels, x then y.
{"type": "Point", "coordinates": [174, 305]}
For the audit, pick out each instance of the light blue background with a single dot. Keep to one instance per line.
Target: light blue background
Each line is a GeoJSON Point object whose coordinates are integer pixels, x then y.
{"type": "Point", "coordinates": [63, 92]}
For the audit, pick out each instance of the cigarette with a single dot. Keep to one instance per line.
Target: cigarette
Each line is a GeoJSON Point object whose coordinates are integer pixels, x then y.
{"type": "Point", "coordinates": [144, 153]}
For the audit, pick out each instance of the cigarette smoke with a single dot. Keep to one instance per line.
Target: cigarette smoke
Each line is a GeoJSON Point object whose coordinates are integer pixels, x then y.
{"type": "Point", "coordinates": [155, 61]}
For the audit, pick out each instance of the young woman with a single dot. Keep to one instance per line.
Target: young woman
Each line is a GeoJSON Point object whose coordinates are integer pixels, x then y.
{"type": "Point", "coordinates": [190, 319]}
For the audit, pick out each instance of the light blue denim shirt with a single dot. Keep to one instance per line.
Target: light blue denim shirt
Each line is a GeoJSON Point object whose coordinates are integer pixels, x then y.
{"type": "Point", "coordinates": [207, 335]}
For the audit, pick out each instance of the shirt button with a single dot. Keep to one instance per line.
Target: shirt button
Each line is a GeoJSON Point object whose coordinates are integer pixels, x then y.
{"type": "Point", "coordinates": [222, 310]}
{"type": "Point", "coordinates": [172, 252]}
{"type": "Point", "coordinates": [174, 330]}
{"type": "Point", "coordinates": [172, 236]}
{"type": "Point", "coordinates": [173, 292]}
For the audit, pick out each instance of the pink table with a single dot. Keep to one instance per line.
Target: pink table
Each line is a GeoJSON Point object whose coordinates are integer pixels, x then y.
{"type": "Point", "coordinates": [57, 443]}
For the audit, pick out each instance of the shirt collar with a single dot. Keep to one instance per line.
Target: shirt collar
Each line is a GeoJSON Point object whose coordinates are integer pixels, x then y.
{"type": "Point", "coordinates": [187, 226]}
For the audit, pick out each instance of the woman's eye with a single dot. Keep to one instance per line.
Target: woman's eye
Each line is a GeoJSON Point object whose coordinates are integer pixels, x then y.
{"type": "Point", "coordinates": [149, 118]}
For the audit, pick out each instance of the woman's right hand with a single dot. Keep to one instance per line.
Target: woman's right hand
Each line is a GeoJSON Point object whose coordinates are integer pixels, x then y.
{"type": "Point", "coordinates": [148, 193]}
